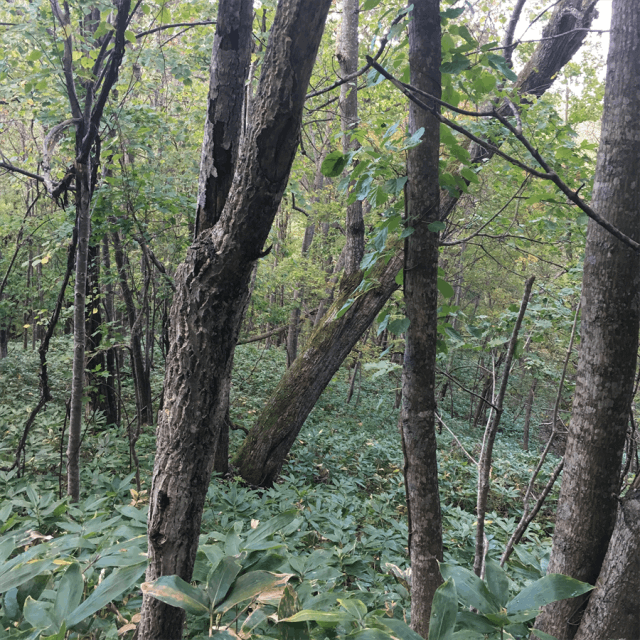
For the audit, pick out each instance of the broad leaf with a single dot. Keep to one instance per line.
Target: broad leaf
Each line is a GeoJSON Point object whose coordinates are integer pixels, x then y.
{"type": "Point", "coordinates": [250, 585]}
{"type": "Point", "coordinates": [331, 617]}
{"type": "Point", "coordinates": [112, 587]}
{"type": "Point", "coordinates": [443, 612]}
{"type": "Point", "coordinates": [221, 578]}
{"type": "Point", "coordinates": [177, 592]}
{"type": "Point", "coordinates": [69, 593]}
{"type": "Point", "coordinates": [23, 573]}
{"type": "Point", "coordinates": [551, 588]}
{"type": "Point", "coordinates": [498, 582]}
{"type": "Point", "coordinates": [472, 592]}
{"type": "Point", "coordinates": [334, 164]}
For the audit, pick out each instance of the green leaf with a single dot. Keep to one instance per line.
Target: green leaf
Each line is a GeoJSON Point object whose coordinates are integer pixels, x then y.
{"type": "Point", "coordinates": [355, 607]}
{"type": "Point", "coordinates": [268, 528]}
{"type": "Point", "coordinates": [450, 14]}
{"type": "Point", "coordinates": [457, 64]}
{"type": "Point", "coordinates": [399, 326]}
{"type": "Point", "coordinates": [400, 277]}
{"type": "Point", "coordinates": [551, 588]}
{"type": "Point", "coordinates": [437, 226]}
{"type": "Point", "coordinates": [175, 591]}
{"type": "Point", "coordinates": [222, 577]}
{"type": "Point", "coordinates": [445, 288]}
{"type": "Point", "coordinates": [34, 55]}
{"type": "Point", "coordinates": [475, 623]}
{"type": "Point", "coordinates": [130, 36]}
{"type": "Point", "coordinates": [334, 163]}
{"type": "Point", "coordinates": [330, 617]}
{"type": "Point", "coordinates": [370, 634]}
{"type": "Point", "coordinates": [541, 635]}
{"type": "Point", "coordinates": [443, 612]}
{"type": "Point", "coordinates": [37, 614]}
{"type": "Point", "coordinates": [498, 582]}
{"type": "Point", "coordinates": [109, 589]}
{"type": "Point", "coordinates": [23, 573]}
{"type": "Point", "coordinates": [399, 629]}
{"type": "Point", "coordinates": [500, 64]}
{"type": "Point", "coordinates": [69, 593]}
{"type": "Point", "coordinates": [250, 585]}
{"type": "Point", "coordinates": [472, 592]}
{"type": "Point", "coordinates": [370, 4]}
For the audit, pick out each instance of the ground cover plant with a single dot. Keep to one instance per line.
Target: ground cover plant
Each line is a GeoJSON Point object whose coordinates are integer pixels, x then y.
{"type": "Point", "coordinates": [322, 552]}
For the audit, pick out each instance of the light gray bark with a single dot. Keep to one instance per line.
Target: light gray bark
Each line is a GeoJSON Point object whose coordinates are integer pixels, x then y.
{"type": "Point", "coordinates": [348, 59]}
{"type": "Point", "coordinates": [609, 334]}
{"type": "Point", "coordinates": [212, 288]}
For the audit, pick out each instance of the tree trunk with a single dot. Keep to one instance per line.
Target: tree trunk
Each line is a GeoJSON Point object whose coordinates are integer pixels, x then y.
{"type": "Point", "coordinates": [141, 380]}
{"type": "Point", "coordinates": [613, 610]}
{"type": "Point", "coordinates": [417, 413]}
{"type": "Point", "coordinates": [527, 415]}
{"type": "Point", "coordinates": [609, 334]}
{"type": "Point", "coordinates": [83, 224]}
{"type": "Point", "coordinates": [348, 58]}
{"type": "Point", "coordinates": [264, 450]}
{"type": "Point", "coordinates": [212, 286]}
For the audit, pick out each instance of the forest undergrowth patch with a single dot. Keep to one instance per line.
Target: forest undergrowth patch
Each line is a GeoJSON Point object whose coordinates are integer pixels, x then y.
{"type": "Point", "coordinates": [335, 522]}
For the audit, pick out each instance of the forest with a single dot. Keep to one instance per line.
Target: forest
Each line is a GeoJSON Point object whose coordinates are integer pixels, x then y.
{"type": "Point", "coordinates": [319, 319]}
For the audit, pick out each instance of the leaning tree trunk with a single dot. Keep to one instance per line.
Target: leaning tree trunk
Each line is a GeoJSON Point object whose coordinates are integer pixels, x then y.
{"type": "Point", "coordinates": [264, 450]}
{"type": "Point", "coordinates": [417, 413]}
{"type": "Point", "coordinates": [273, 434]}
{"type": "Point", "coordinates": [212, 286]}
{"type": "Point", "coordinates": [609, 334]}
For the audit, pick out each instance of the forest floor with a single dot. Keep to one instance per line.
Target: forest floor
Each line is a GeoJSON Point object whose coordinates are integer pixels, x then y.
{"type": "Point", "coordinates": [342, 487]}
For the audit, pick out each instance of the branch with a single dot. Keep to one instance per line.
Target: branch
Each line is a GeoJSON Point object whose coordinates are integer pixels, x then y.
{"type": "Point", "coordinates": [264, 336]}
{"type": "Point", "coordinates": [67, 57]}
{"type": "Point", "coordinates": [548, 173]}
{"type": "Point", "coordinates": [171, 26]}
{"type": "Point", "coordinates": [50, 141]}
{"type": "Point", "coordinates": [9, 167]}
{"type": "Point", "coordinates": [453, 435]}
{"type": "Point", "coordinates": [507, 44]}
{"type": "Point", "coordinates": [357, 74]}
{"type": "Point", "coordinates": [473, 393]}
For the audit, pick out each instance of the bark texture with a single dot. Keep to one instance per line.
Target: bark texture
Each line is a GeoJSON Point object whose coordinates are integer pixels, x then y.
{"type": "Point", "coordinates": [230, 59]}
{"type": "Point", "coordinates": [348, 60]}
{"type": "Point", "coordinates": [211, 293]}
{"type": "Point", "coordinates": [417, 415]}
{"type": "Point", "coordinates": [609, 333]}
{"type": "Point", "coordinates": [614, 607]}
{"type": "Point", "coordinates": [264, 450]}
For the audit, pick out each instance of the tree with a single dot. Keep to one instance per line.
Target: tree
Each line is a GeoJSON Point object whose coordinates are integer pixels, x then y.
{"type": "Point", "coordinates": [263, 453]}
{"type": "Point", "coordinates": [212, 287]}
{"type": "Point", "coordinates": [609, 340]}
{"type": "Point", "coordinates": [417, 415]}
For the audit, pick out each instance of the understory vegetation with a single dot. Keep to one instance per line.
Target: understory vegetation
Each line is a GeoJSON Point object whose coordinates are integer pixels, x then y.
{"type": "Point", "coordinates": [333, 529]}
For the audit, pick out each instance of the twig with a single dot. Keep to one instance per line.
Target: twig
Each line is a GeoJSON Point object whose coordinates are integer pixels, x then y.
{"type": "Point", "coordinates": [453, 435]}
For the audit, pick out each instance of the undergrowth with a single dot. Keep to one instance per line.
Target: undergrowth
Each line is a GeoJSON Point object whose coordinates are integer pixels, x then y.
{"type": "Point", "coordinates": [344, 538]}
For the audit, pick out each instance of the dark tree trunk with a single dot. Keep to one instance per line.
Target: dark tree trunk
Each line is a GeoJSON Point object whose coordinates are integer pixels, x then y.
{"type": "Point", "coordinates": [417, 413]}
{"type": "Point", "coordinates": [264, 450]}
{"type": "Point", "coordinates": [609, 334]}
{"type": "Point", "coordinates": [212, 288]}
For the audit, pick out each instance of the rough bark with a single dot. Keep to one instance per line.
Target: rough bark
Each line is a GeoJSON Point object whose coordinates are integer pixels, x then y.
{"type": "Point", "coordinates": [230, 59]}
{"type": "Point", "coordinates": [348, 60]}
{"type": "Point", "coordinates": [609, 334]}
{"type": "Point", "coordinates": [613, 610]}
{"type": "Point", "coordinates": [212, 286]}
{"type": "Point", "coordinates": [264, 450]}
{"type": "Point", "coordinates": [417, 413]}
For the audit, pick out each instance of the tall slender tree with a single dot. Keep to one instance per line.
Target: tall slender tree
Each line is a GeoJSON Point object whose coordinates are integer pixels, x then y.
{"type": "Point", "coordinates": [609, 336]}
{"type": "Point", "coordinates": [417, 415]}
